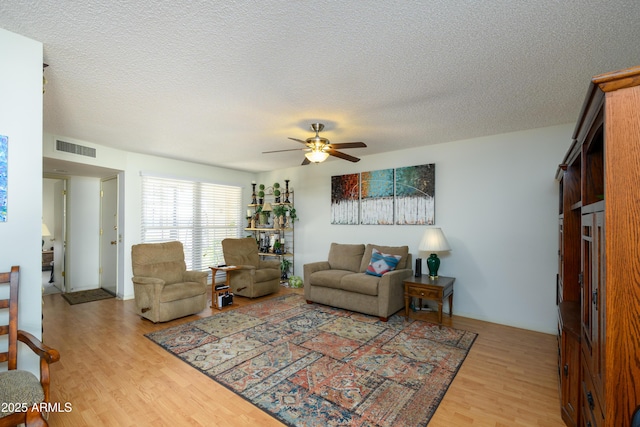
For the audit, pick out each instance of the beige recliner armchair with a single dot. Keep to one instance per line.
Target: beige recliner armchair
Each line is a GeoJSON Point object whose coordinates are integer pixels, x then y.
{"type": "Point", "coordinates": [164, 289]}
{"type": "Point", "coordinates": [256, 277]}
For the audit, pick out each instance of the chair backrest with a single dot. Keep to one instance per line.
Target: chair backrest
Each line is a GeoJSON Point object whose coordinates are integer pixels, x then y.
{"type": "Point", "coordinates": [160, 260]}
{"type": "Point", "coordinates": [240, 251]}
{"type": "Point", "coordinates": [10, 280]}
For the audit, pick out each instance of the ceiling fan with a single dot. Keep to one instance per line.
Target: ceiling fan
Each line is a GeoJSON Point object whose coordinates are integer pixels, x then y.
{"type": "Point", "coordinates": [319, 148]}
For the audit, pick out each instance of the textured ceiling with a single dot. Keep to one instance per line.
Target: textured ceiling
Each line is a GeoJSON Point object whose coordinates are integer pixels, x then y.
{"type": "Point", "coordinates": [220, 82]}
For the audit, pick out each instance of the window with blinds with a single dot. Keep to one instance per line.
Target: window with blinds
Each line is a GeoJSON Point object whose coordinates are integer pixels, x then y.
{"type": "Point", "coordinates": [198, 214]}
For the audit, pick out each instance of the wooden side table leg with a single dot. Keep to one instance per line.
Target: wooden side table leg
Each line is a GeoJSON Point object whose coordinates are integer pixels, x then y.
{"type": "Point", "coordinates": [451, 304]}
{"type": "Point", "coordinates": [213, 290]}
{"type": "Point", "coordinates": [440, 313]}
{"type": "Point", "coordinates": [406, 305]}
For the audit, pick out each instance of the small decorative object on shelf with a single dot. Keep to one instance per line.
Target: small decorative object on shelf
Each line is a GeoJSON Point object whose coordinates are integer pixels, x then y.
{"type": "Point", "coordinates": [253, 193]}
{"type": "Point", "coordinates": [286, 191]}
{"type": "Point", "coordinates": [276, 192]}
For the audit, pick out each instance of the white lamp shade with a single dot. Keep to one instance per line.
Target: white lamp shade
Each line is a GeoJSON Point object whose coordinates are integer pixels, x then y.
{"type": "Point", "coordinates": [45, 230]}
{"type": "Point", "coordinates": [433, 240]}
{"type": "Point", "coordinates": [267, 207]}
{"type": "Point", "coordinates": [316, 156]}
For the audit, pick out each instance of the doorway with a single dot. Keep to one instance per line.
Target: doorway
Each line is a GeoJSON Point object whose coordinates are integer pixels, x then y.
{"type": "Point", "coordinates": [79, 214]}
{"type": "Point", "coordinates": [54, 199]}
{"type": "Point", "coordinates": [110, 237]}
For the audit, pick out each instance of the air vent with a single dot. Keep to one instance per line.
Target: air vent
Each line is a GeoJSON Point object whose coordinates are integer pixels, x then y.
{"type": "Point", "coordinates": [81, 150]}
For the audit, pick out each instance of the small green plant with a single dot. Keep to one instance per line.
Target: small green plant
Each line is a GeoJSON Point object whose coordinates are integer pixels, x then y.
{"type": "Point", "coordinates": [279, 210]}
{"type": "Point", "coordinates": [295, 282]}
{"type": "Point", "coordinates": [276, 185]}
{"type": "Point", "coordinates": [285, 265]}
{"type": "Point", "coordinates": [292, 214]}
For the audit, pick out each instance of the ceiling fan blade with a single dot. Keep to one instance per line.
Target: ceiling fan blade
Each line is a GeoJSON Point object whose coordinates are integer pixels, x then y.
{"type": "Point", "coordinates": [299, 140]}
{"type": "Point", "coordinates": [280, 151]}
{"type": "Point", "coordinates": [344, 156]}
{"type": "Point", "coordinates": [305, 161]}
{"type": "Point", "coordinates": [342, 145]}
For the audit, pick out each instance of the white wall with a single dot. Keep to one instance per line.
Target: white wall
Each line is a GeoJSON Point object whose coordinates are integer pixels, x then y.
{"type": "Point", "coordinates": [496, 201]}
{"type": "Point", "coordinates": [21, 121]}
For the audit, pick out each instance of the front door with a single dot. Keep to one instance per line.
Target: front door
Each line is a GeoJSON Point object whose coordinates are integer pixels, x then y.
{"type": "Point", "coordinates": [109, 237]}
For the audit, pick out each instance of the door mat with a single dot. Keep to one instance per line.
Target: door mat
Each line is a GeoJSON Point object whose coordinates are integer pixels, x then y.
{"type": "Point", "coordinates": [87, 296]}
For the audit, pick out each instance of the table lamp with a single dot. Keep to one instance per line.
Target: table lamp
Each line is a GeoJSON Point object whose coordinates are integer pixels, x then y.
{"type": "Point", "coordinates": [433, 241]}
{"type": "Point", "coordinates": [267, 208]}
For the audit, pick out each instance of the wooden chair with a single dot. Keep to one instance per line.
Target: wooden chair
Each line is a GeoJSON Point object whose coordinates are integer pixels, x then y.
{"type": "Point", "coordinates": [21, 388]}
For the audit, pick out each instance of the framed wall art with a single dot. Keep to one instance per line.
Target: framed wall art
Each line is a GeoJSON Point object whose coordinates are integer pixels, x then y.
{"type": "Point", "coordinates": [345, 199]}
{"type": "Point", "coordinates": [415, 194]}
{"type": "Point", "coordinates": [376, 197]}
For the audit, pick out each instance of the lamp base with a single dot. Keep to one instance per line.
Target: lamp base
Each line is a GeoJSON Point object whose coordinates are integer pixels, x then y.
{"type": "Point", "coordinates": [433, 263]}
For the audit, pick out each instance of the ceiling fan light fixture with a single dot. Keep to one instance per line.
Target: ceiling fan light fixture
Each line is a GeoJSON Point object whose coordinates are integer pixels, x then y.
{"type": "Point", "coordinates": [316, 156]}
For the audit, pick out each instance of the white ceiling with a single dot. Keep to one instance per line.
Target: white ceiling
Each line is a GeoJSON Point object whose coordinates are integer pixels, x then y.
{"type": "Point", "coordinates": [220, 82]}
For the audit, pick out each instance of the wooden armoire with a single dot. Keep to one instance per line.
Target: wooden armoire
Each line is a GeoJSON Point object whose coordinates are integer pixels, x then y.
{"type": "Point", "coordinates": [598, 282]}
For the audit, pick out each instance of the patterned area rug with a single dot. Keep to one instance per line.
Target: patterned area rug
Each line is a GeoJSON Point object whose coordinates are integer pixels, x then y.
{"type": "Point", "coordinates": [313, 365]}
{"type": "Point", "coordinates": [86, 296]}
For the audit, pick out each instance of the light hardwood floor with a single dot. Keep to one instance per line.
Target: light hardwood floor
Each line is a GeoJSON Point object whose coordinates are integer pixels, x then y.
{"type": "Point", "coordinates": [113, 376]}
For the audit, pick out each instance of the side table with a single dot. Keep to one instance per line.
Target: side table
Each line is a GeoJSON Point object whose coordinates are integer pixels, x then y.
{"type": "Point", "coordinates": [216, 292]}
{"type": "Point", "coordinates": [424, 287]}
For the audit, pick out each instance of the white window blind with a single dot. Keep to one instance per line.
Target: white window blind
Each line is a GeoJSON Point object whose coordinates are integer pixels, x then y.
{"type": "Point", "coordinates": [198, 214]}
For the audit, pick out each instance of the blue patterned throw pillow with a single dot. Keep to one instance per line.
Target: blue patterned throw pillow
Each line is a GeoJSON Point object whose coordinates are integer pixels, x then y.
{"type": "Point", "coordinates": [381, 263]}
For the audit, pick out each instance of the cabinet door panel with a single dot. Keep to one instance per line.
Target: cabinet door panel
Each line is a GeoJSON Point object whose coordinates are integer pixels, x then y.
{"type": "Point", "coordinates": [587, 295]}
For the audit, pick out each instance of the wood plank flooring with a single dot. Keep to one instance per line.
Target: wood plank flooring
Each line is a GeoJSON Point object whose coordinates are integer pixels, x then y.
{"type": "Point", "coordinates": [113, 376]}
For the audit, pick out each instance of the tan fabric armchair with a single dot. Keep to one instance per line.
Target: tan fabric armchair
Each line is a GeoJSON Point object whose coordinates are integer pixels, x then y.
{"type": "Point", "coordinates": [256, 277]}
{"type": "Point", "coordinates": [164, 289]}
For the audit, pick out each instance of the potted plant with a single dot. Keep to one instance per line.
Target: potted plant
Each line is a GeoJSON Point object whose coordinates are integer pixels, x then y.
{"type": "Point", "coordinates": [291, 216]}
{"type": "Point", "coordinates": [279, 210]}
{"type": "Point", "coordinates": [276, 192]}
{"type": "Point", "coordinates": [285, 264]}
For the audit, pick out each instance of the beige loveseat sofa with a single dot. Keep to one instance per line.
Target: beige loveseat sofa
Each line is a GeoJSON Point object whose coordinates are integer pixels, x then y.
{"type": "Point", "coordinates": [341, 281]}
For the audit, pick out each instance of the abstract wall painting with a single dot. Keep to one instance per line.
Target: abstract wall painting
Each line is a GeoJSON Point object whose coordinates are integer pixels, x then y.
{"type": "Point", "coordinates": [4, 145]}
{"type": "Point", "coordinates": [345, 199]}
{"type": "Point", "coordinates": [376, 197]}
{"type": "Point", "coordinates": [415, 194]}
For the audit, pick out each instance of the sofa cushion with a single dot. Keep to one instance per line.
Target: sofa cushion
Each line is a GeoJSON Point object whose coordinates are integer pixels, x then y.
{"type": "Point", "coordinates": [381, 263]}
{"type": "Point", "coordinates": [178, 291]}
{"type": "Point", "coordinates": [328, 278]}
{"type": "Point", "coordinates": [403, 251]}
{"type": "Point", "coordinates": [360, 284]}
{"type": "Point", "coordinates": [346, 257]}
{"type": "Point", "coordinates": [266, 274]}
